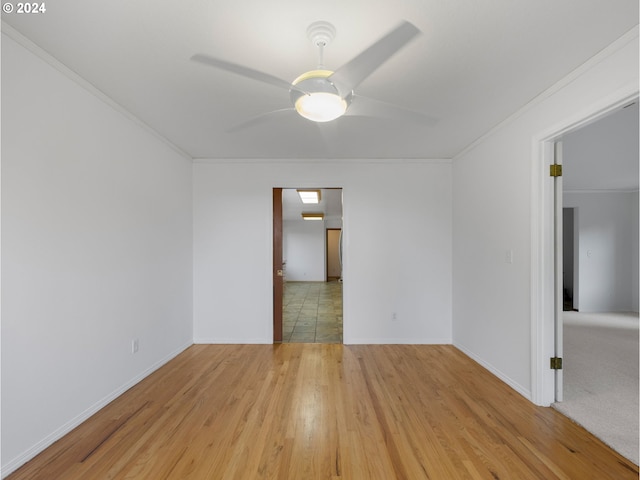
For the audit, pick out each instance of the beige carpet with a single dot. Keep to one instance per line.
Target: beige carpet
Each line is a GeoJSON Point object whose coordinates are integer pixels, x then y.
{"type": "Point", "coordinates": [600, 364]}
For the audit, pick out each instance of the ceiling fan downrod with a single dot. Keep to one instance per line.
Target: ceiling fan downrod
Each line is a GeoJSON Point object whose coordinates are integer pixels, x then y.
{"type": "Point", "coordinates": [321, 34]}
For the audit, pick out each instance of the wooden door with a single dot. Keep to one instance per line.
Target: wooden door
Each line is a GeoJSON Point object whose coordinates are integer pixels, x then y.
{"type": "Point", "coordinates": [278, 278]}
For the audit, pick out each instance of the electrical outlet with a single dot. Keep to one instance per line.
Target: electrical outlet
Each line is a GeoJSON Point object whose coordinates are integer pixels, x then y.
{"type": "Point", "coordinates": [508, 256]}
{"type": "Point", "coordinates": [134, 345]}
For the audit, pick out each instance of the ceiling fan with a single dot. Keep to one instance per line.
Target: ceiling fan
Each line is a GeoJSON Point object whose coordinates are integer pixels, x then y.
{"type": "Point", "coordinates": [323, 95]}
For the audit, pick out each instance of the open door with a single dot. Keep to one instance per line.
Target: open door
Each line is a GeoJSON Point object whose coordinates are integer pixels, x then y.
{"type": "Point", "coordinates": [556, 363]}
{"type": "Point", "coordinates": [278, 274]}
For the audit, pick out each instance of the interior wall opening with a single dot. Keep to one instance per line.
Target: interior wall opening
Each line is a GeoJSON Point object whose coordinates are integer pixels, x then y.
{"type": "Point", "coordinates": [544, 283]}
{"type": "Point", "coordinates": [312, 308]}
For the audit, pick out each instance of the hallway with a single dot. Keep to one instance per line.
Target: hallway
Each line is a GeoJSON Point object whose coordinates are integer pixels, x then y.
{"type": "Point", "coordinates": [312, 312]}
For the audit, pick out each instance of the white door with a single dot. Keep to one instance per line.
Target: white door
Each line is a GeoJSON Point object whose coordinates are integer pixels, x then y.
{"type": "Point", "coordinates": [558, 268]}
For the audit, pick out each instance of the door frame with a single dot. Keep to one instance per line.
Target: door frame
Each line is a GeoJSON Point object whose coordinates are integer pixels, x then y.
{"type": "Point", "coordinates": [544, 285]}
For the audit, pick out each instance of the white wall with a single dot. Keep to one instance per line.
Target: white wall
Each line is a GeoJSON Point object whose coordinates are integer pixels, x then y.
{"type": "Point", "coordinates": [492, 214]}
{"type": "Point", "coordinates": [607, 245]}
{"type": "Point", "coordinates": [397, 248]}
{"type": "Point", "coordinates": [603, 155]}
{"type": "Point", "coordinates": [304, 250]}
{"type": "Point", "coordinates": [96, 251]}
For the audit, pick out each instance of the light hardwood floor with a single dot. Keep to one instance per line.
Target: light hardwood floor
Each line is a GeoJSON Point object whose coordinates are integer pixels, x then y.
{"type": "Point", "coordinates": [326, 411]}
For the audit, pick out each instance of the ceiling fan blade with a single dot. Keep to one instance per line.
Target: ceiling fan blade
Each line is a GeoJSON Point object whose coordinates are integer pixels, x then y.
{"type": "Point", "coordinates": [262, 118]}
{"type": "Point", "coordinates": [369, 107]}
{"type": "Point", "coordinates": [244, 71]}
{"type": "Point", "coordinates": [351, 74]}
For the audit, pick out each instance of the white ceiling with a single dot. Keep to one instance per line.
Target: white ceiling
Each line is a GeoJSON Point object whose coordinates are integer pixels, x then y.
{"type": "Point", "coordinates": [474, 65]}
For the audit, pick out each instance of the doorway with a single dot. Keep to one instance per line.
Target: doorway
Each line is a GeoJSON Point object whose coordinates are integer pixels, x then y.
{"type": "Point", "coordinates": [599, 259]}
{"type": "Point", "coordinates": [307, 266]}
{"type": "Point", "coordinates": [546, 241]}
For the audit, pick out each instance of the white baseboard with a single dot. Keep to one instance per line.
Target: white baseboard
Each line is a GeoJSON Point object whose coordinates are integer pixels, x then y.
{"type": "Point", "coordinates": [357, 341]}
{"type": "Point", "coordinates": [231, 341]}
{"type": "Point", "coordinates": [397, 341]}
{"type": "Point", "coordinates": [525, 392]}
{"type": "Point", "coordinates": [17, 462]}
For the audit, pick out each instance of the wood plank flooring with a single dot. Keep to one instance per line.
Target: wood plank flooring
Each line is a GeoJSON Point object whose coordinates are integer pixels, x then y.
{"type": "Point", "coordinates": [326, 411]}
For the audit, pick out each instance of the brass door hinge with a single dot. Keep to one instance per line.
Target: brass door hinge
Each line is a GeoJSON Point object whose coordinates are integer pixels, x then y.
{"type": "Point", "coordinates": [555, 170]}
{"type": "Point", "coordinates": [556, 363]}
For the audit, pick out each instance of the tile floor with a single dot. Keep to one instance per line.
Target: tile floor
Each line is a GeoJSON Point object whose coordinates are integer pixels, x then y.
{"type": "Point", "coordinates": [312, 312]}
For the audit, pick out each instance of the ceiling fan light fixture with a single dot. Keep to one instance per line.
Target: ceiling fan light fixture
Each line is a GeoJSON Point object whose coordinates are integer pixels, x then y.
{"type": "Point", "coordinates": [321, 106]}
{"type": "Point", "coordinates": [316, 98]}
